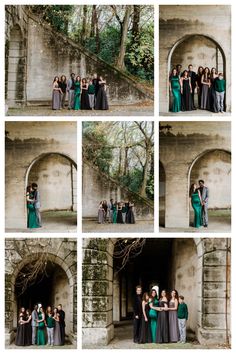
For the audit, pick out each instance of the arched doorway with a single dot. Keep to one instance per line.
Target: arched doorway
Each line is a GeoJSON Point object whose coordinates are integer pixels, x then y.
{"type": "Point", "coordinates": [198, 50]}
{"type": "Point", "coordinates": [162, 194]}
{"type": "Point", "coordinates": [55, 285]}
{"type": "Point", "coordinates": [214, 167]}
{"type": "Point", "coordinates": [169, 263]}
{"type": "Point", "coordinates": [15, 67]}
{"type": "Point", "coordinates": [56, 176]}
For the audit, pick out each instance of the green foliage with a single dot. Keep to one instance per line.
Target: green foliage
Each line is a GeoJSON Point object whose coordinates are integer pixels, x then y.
{"type": "Point", "coordinates": [150, 186]}
{"type": "Point", "coordinates": [58, 16]}
{"type": "Point", "coordinates": [133, 180]}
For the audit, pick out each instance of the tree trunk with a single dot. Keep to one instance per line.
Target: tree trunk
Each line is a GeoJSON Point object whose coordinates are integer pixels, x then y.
{"type": "Point", "coordinates": [145, 171]}
{"type": "Point", "coordinates": [84, 24]}
{"type": "Point", "coordinates": [93, 21]}
{"type": "Point", "coordinates": [135, 27]}
{"type": "Point", "coordinates": [120, 60]}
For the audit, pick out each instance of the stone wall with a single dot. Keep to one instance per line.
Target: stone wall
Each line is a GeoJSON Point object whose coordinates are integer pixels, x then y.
{"type": "Point", "coordinates": [179, 25]}
{"type": "Point", "coordinates": [97, 187]}
{"type": "Point", "coordinates": [48, 53]}
{"type": "Point", "coordinates": [27, 143]}
{"type": "Point", "coordinates": [62, 253]}
{"type": "Point", "coordinates": [199, 267]}
{"type": "Point", "coordinates": [182, 148]}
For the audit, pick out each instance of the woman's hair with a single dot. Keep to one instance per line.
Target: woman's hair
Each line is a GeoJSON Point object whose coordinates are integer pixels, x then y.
{"type": "Point", "coordinates": [198, 70]}
{"type": "Point", "coordinates": [206, 74]}
{"type": "Point", "coordinates": [21, 310]}
{"type": "Point", "coordinates": [183, 73]}
{"type": "Point", "coordinates": [84, 80]}
{"type": "Point", "coordinates": [28, 311]}
{"type": "Point", "coordinates": [28, 188]}
{"type": "Point", "coordinates": [151, 294]}
{"type": "Point", "coordinates": [191, 190]}
{"type": "Point", "coordinates": [63, 78]}
{"type": "Point", "coordinates": [56, 77]}
{"type": "Point", "coordinates": [176, 294]}
{"type": "Point", "coordinates": [165, 292]}
{"type": "Point", "coordinates": [76, 79]}
{"type": "Point", "coordinates": [172, 73]}
{"type": "Point", "coordinates": [144, 296]}
{"type": "Point", "coordinates": [212, 71]}
{"type": "Point", "coordinates": [49, 311]}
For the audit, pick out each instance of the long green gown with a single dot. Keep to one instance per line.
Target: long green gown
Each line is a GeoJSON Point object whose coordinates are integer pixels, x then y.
{"type": "Point", "coordinates": [153, 315]}
{"type": "Point", "coordinates": [175, 88]}
{"type": "Point", "coordinates": [77, 103]}
{"type": "Point", "coordinates": [197, 207]}
{"type": "Point", "coordinates": [32, 221]}
{"type": "Point", "coordinates": [41, 332]}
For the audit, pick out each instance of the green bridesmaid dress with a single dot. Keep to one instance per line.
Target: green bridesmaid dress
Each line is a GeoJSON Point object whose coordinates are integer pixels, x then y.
{"type": "Point", "coordinates": [175, 88]}
{"type": "Point", "coordinates": [32, 221]}
{"type": "Point", "coordinates": [153, 315]}
{"type": "Point", "coordinates": [114, 215]}
{"type": "Point", "coordinates": [41, 332]}
{"type": "Point", "coordinates": [197, 207]}
{"type": "Point", "coordinates": [77, 102]}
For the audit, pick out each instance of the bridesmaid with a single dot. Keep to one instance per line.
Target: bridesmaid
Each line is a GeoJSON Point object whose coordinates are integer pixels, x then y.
{"type": "Point", "coordinates": [114, 208]}
{"type": "Point", "coordinates": [174, 84]}
{"type": "Point", "coordinates": [206, 83]}
{"type": "Point", "coordinates": [28, 328]}
{"type": "Point", "coordinates": [153, 313]}
{"type": "Point", "coordinates": [77, 102]}
{"type": "Point", "coordinates": [173, 318]}
{"type": "Point", "coordinates": [57, 331]}
{"type": "Point", "coordinates": [212, 92]}
{"type": "Point", "coordinates": [186, 92]}
{"type": "Point", "coordinates": [199, 85]}
{"type": "Point", "coordinates": [41, 340]}
{"type": "Point", "coordinates": [32, 221]}
{"type": "Point", "coordinates": [196, 201]}
{"type": "Point", "coordinates": [101, 99]}
{"type": "Point", "coordinates": [101, 213]}
{"type": "Point", "coordinates": [130, 219]}
{"type": "Point", "coordinates": [56, 94]}
{"type": "Point", "coordinates": [84, 96]}
{"type": "Point", "coordinates": [20, 332]}
{"type": "Point", "coordinates": [162, 323]}
{"type": "Point", "coordinates": [144, 327]}
{"type": "Point", "coordinates": [119, 214]}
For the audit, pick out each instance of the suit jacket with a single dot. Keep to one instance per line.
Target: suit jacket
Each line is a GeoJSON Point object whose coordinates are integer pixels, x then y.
{"type": "Point", "coordinates": [37, 199]}
{"type": "Point", "coordinates": [34, 319]}
{"type": "Point", "coordinates": [137, 306]}
{"type": "Point", "coordinates": [69, 84]}
{"type": "Point", "coordinates": [204, 194]}
{"type": "Point", "coordinates": [62, 316]}
{"type": "Point", "coordinates": [193, 77]}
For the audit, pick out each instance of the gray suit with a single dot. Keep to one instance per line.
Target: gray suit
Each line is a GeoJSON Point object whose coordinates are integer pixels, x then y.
{"type": "Point", "coordinates": [34, 325]}
{"type": "Point", "coordinates": [205, 196]}
{"type": "Point", "coordinates": [37, 206]}
{"type": "Point", "coordinates": [71, 94]}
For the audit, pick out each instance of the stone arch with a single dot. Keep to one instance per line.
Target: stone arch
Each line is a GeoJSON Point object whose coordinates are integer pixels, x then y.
{"type": "Point", "coordinates": [69, 287]}
{"type": "Point", "coordinates": [162, 193]}
{"type": "Point", "coordinates": [72, 167]}
{"type": "Point", "coordinates": [15, 67]}
{"type": "Point", "coordinates": [219, 49]}
{"type": "Point", "coordinates": [226, 154]}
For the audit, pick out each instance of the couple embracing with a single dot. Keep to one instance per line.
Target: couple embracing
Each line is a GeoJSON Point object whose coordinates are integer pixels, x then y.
{"type": "Point", "coordinates": [199, 196]}
{"type": "Point", "coordinates": [33, 207]}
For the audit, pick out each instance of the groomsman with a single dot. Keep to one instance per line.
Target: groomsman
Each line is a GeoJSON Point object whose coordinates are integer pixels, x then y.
{"type": "Point", "coordinates": [62, 323]}
{"type": "Point", "coordinates": [137, 313]}
{"type": "Point", "coordinates": [205, 196]}
{"type": "Point", "coordinates": [34, 324]}
{"type": "Point", "coordinates": [193, 78]}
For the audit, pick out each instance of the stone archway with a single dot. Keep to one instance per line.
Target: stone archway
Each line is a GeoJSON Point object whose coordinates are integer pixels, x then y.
{"type": "Point", "coordinates": [15, 67]}
{"type": "Point", "coordinates": [191, 49]}
{"type": "Point", "coordinates": [60, 278]}
{"type": "Point", "coordinates": [51, 171]}
{"type": "Point", "coordinates": [214, 167]}
{"type": "Point", "coordinates": [162, 194]}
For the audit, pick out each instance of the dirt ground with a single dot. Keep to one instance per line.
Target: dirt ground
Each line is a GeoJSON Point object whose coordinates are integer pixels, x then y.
{"type": "Point", "coordinates": [139, 226]}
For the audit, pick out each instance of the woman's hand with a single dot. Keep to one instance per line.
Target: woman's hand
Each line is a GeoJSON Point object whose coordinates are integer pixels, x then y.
{"type": "Point", "coordinates": [146, 319]}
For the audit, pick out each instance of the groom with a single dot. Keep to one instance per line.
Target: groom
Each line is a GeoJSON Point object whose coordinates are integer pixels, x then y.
{"type": "Point", "coordinates": [205, 196]}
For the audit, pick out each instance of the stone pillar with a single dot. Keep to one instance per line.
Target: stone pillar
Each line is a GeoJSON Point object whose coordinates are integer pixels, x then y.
{"type": "Point", "coordinates": [214, 325]}
{"type": "Point", "coordinates": [116, 298]}
{"type": "Point", "coordinates": [97, 300]}
{"type": "Point", "coordinates": [176, 201]}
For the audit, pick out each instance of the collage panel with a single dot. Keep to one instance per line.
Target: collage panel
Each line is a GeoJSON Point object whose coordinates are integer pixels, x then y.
{"type": "Point", "coordinates": [195, 176]}
{"type": "Point", "coordinates": [195, 60]}
{"type": "Point", "coordinates": [70, 60]}
{"type": "Point", "coordinates": [41, 176]}
{"type": "Point", "coordinates": [118, 176]}
{"type": "Point", "coordinates": [40, 293]}
{"type": "Point", "coordinates": [156, 293]}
